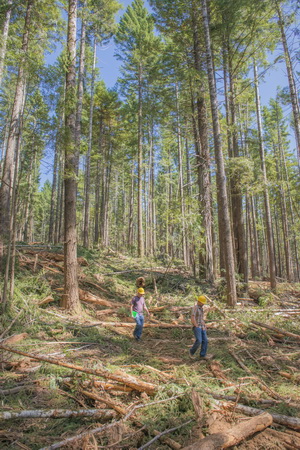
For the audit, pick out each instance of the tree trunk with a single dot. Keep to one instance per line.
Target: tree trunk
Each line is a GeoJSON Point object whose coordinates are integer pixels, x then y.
{"type": "Point", "coordinates": [80, 88]}
{"type": "Point", "coordinates": [88, 158]}
{"type": "Point", "coordinates": [71, 298]}
{"type": "Point", "coordinates": [221, 177]}
{"type": "Point", "coordinates": [140, 164]}
{"type": "Point", "coordinates": [292, 84]}
{"type": "Point", "coordinates": [271, 250]}
{"type": "Point", "coordinates": [180, 174]}
{"type": "Point", "coordinates": [14, 132]}
{"type": "Point", "coordinates": [236, 196]}
{"type": "Point", "coordinates": [203, 156]}
{"type": "Point", "coordinates": [4, 37]}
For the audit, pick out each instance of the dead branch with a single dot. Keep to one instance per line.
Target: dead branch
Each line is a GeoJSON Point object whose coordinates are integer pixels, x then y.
{"type": "Point", "coordinates": [108, 402]}
{"type": "Point", "coordinates": [261, 383]}
{"type": "Point", "coordinates": [78, 437]}
{"type": "Point", "coordinates": [105, 414]}
{"type": "Point", "coordinates": [277, 330]}
{"type": "Point", "coordinates": [170, 430]}
{"type": "Point", "coordinates": [234, 435]}
{"type": "Point", "coordinates": [164, 375]}
{"type": "Point", "coordinates": [287, 421]}
{"type": "Point", "coordinates": [121, 377]}
{"type": "Point", "coordinates": [46, 300]}
{"type": "Point", "coordinates": [11, 324]}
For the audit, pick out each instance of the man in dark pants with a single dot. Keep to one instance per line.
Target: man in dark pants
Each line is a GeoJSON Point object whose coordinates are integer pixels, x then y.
{"type": "Point", "coordinates": [137, 308]}
{"type": "Point", "coordinates": [199, 329]}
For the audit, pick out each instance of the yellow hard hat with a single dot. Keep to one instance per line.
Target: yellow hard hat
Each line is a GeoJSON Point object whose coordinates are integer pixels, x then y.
{"type": "Point", "coordinates": [202, 299]}
{"type": "Point", "coordinates": [141, 291]}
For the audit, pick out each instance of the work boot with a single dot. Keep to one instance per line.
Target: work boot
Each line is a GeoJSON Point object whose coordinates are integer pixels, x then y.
{"type": "Point", "coordinates": [207, 357]}
{"type": "Point", "coordinates": [191, 355]}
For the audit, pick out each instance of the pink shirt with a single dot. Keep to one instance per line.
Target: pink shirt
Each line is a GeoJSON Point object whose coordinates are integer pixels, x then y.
{"type": "Point", "coordinates": [138, 304]}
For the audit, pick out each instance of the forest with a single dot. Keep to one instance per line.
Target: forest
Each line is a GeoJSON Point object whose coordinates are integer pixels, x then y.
{"type": "Point", "coordinates": [178, 182]}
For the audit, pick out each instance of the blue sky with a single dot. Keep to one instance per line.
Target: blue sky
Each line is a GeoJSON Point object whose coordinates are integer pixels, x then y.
{"type": "Point", "coordinates": [109, 71]}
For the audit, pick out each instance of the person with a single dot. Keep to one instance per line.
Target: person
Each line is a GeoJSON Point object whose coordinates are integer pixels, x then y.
{"type": "Point", "coordinates": [137, 307]}
{"type": "Point", "coordinates": [199, 329]}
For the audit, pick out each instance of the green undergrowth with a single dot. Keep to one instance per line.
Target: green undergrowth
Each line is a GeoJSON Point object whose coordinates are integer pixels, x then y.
{"type": "Point", "coordinates": [165, 350]}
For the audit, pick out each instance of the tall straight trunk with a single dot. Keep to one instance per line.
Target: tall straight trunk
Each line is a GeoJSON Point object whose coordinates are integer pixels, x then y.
{"type": "Point", "coordinates": [80, 87]}
{"type": "Point", "coordinates": [130, 212]}
{"type": "Point", "coordinates": [14, 132]}
{"type": "Point", "coordinates": [4, 37]}
{"type": "Point", "coordinates": [181, 193]}
{"type": "Point", "coordinates": [271, 250]}
{"type": "Point", "coordinates": [71, 296]}
{"type": "Point", "coordinates": [88, 157]}
{"type": "Point", "coordinates": [292, 84]}
{"type": "Point", "coordinates": [236, 196]}
{"type": "Point", "coordinates": [55, 179]}
{"type": "Point", "coordinates": [151, 192]}
{"type": "Point", "coordinates": [140, 164]}
{"type": "Point", "coordinates": [221, 177]}
{"type": "Point", "coordinates": [283, 209]}
{"type": "Point", "coordinates": [97, 184]}
{"type": "Point", "coordinates": [203, 156]}
{"type": "Point", "coordinates": [10, 261]}
{"type": "Point", "coordinates": [278, 260]}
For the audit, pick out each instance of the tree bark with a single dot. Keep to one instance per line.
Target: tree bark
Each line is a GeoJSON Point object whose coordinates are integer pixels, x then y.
{"type": "Point", "coordinates": [88, 157]}
{"type": "Point", "coordinates": [71, 297]}
{"type": "Point", "coordinates": [270, 240]}
{"type": "Point", "coordinates": [140, 164]}
{"type": "Point", "coordinates": [14, 131]}
{"type": "Point", "coordinates": [104, 414]}
{"type": "Point", "coordinates": [234, 435]}
{"type": "Point", "coordinates": [221, 177]}
{"type": "Point", "coordinates": [292, 84]}
{"type": "Point", "coordinates": [5, 30]}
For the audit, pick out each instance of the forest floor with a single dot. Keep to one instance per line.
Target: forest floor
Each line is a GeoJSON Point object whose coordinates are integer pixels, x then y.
{"type": "Point", "coordinates": [137, 390]}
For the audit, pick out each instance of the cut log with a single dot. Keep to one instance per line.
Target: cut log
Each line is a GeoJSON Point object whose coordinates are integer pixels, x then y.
{"type": "Point", "coordinates": [86, 296]}
{"type": "Point", "coordinates": [13, 339]}
{"type": "Point", "coordinates": [105, 414]}
{"type": "Point", "coordinates": [46, 300]}
{"type": "Point", "coordinates": [277, 330]}
{"type": "Point", "coordinates": [133, 324]}
{"type": "Point", "coordinates": [234, 435]}
{"type": "Point", "coordinates": [121, 377]}
{"type": "Point", "coordinates": [287, 421]}
{"type": "Point", "coordinates": [290, 376]}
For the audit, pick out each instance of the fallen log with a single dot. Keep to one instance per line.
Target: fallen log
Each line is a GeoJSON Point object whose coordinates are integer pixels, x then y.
{"type": "Point", "coordinates": [121, 377]}
{"type": "Point", "coordinates": [88, 297]}
{"type": "Point", "coordinates": [105, 414]}
{"type": "Point", "coordinates": [234, 435]}
{"type": "Point", "coordinates": [15, 338]}
{"type": "Point", "coordinates": [290, 376]}
{"type": "Point", "coordinates": [287, 421]}
{"type": "Point", "coordinates": [133, 324]}
{"type": "Point", "coordinates": [277, 330]}
{"type": "Point", "coordinates": [46, 300]}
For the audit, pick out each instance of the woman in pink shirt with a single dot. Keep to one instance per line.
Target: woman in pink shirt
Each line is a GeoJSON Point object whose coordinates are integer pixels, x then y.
{"type": "Point", "coordinates": [137, 307]}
